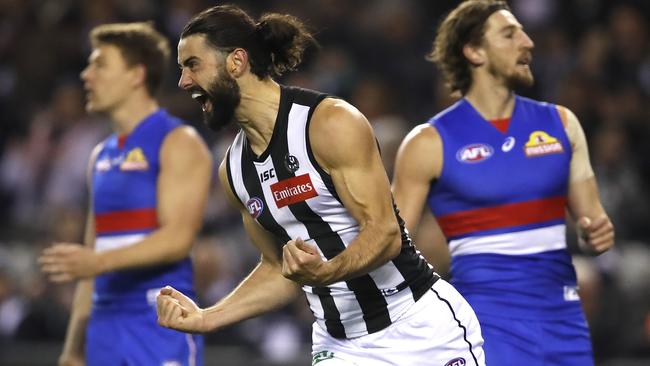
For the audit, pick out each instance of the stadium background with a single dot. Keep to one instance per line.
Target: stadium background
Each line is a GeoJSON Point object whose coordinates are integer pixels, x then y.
{"type": "Point", "coordinates": [592, 56]}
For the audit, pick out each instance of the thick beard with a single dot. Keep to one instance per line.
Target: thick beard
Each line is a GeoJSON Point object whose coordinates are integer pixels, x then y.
{"type": "Point", "coordinates": [520, 81]}
{"type": "Point", "coordinates": [225, 97]}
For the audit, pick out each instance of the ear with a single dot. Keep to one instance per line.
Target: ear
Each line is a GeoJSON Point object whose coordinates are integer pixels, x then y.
{"type": "Point", "coordinates": [474, 54]}
{"type": "Point", "coordinates": [237, 62]}
{"type": "Point", "coordinates": [139, 75]}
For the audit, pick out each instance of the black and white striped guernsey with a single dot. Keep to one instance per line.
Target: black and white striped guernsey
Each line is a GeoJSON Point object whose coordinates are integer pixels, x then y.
{"type": "Point", "coordinates": [291, 196]}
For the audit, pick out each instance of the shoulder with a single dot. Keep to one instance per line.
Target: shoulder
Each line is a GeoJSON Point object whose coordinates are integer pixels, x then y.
{"type": "Point", "coordinates": [336, 116]}
{"type": "Point", "coordinates": [422, 143]}
{"type": "Point", "coordinates": [183, 136]}
{"type": "Point", "coordinates": [336, 123]}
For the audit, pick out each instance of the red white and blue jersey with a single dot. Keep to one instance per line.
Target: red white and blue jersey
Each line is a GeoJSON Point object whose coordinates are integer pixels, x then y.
{"type": "Point", "coordinates": [124, 181]}
{"type": "Point", "coordinates": [500, 201]}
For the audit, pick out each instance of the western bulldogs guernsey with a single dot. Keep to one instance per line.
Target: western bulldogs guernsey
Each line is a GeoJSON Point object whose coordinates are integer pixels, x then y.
{"type": "Point", "coordinates": [291, 196]}
{"type": "Point", "coordinates": [124, 197]}
{"type": "Point", "coordinates": [500, 201]}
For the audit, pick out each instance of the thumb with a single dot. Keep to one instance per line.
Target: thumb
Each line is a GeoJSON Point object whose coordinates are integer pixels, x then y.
{"type": "Point", "coordinates": [167, 290]}
{"type": "Point", "coordinates": [300, 244]}
{"type": "Point", "coordinates": [584, 223]}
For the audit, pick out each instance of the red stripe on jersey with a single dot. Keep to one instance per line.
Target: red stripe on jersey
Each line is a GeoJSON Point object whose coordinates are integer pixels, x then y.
{"type": "Point", "coordinates": [126, 220]}
{"type": "Point", "coordinates": [497, 217]}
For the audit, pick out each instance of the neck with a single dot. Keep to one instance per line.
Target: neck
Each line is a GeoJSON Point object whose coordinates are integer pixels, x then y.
{"type": "Point", "coordinates": [258, 110]}
{"type": "Point", "coordinates": [490, 97]}
{"type": "Point", "coordinates": [130, 113]}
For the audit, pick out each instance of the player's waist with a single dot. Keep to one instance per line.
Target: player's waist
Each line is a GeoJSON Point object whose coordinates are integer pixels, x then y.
{"type": "Point", "coordinates": [512, 241]}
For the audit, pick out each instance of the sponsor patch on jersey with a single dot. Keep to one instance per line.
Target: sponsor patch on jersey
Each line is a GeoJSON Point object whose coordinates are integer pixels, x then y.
{"type": "Point", "coordinates": [135, 160]}
{"type": "Point", "coordinates": [541, 143]}
{"type": "Point", "coordinates": [293, 190]}
{"type": "Point", "coordinates": [474, 153]}
{"type": "Point", "coordinates": [458, 361]}
{"type": "Point", "coordinates": [255, 207]}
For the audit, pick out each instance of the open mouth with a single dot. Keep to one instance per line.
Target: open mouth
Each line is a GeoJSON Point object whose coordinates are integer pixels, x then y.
{"type": "Point", "coordinates": [203, 100]}
{"type": "Point", "coordinates": [524, 60]}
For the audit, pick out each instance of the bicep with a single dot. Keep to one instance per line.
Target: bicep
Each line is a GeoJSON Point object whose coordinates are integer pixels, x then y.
{"type": "Point", "coordinates": [184, 179]}
{"type": "Point", "coordinates": [580, 166]}
{"type": "Point", "coordinates": [417, 165]}
{"type": "Point", "coordinates": [355, 165]}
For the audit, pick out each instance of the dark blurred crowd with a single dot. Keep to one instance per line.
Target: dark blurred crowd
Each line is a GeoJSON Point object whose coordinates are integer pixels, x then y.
{"type": "Point", "coordinates": [592, 56]}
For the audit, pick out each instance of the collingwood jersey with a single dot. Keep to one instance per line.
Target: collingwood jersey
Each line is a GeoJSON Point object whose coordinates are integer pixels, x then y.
{"type": "Point", "coordinates": [291, 196]}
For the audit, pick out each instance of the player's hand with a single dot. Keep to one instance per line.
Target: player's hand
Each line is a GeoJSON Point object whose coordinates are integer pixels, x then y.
{"type": "Point", "coordinates": [595, 236]}
{"type": "Point", "coordinates": [302, 263]}
{"type": "Point", "coordinates": [177, 311]}
{"type": "Point", "coordinates": [68, 359]}
{"type": "Point", "coordinates": [65, 262]}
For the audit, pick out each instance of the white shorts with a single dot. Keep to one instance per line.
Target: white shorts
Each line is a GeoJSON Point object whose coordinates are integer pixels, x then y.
{"type": "Point", "coordinates": [440, 329]}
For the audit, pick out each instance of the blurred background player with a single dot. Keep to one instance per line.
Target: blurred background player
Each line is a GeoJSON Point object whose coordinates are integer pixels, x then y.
{"type": "Point", "coordinates": [498, 171]}
{"type": "Point", "coordinates": [148, 184]}
{"type": "Point", "coordinates": [322, 217]}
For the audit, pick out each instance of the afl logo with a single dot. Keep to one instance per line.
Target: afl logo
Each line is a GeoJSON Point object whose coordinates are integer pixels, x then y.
{"type": "Point", "coordinates": [458, 361]}
{"type": "Point", "coordinates": [255, 207]}
{"type": "Point", "coordinates": [474, 153]}
{"type": "Point", "coordinates": [291, 163]}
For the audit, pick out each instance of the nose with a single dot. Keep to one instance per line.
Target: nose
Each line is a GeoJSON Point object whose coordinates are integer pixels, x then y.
{"type": "Point", "coordinates": [527, 42]}
{"type": "Point", "coordinates": [185, 82]}
{"type": "Point", "coordinates": [84, 75]}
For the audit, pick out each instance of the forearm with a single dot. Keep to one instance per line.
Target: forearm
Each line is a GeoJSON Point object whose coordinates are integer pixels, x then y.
{"type": "Point", "coordinates": [75, 335]}
{"type": "Point", "coordinates": [374, 246]}
{"type": "Point", "coordinates": [264, 290]}
{"type": "Point", "coordinates": [163, 246]}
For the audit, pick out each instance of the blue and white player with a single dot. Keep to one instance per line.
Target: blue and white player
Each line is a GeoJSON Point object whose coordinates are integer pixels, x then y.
{"type": "Point", "coordinates": [498, 171]}
{"type": "Point", "coordinates": [149, 182]}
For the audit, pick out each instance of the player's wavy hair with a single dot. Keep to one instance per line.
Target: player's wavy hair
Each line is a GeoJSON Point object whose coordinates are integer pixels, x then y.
{"type": "Point", "coordinates": [140, 44]}
{"type": "Point", "coordinates": [275, 43]}
{"type": "Point", "coordinates": [464, 25]}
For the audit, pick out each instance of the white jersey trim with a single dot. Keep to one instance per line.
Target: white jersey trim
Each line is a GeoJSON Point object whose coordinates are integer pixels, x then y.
{"type": "Point", "coordinates": [118, 241]}
{"type": "Point", "coordinates": [516, 243]}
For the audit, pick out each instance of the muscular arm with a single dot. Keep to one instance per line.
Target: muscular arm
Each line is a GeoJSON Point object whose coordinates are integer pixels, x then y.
{"type": "Point", "coordinates": [263, 290]}
{"type": "Point", "coordinates": [183, 184]}
{"type": "Point", "coordinates": [418, 163]}
{"type": "Point", "coordinates": [595, 229]}
{"type": "Point", "coordinates": [362, 185]}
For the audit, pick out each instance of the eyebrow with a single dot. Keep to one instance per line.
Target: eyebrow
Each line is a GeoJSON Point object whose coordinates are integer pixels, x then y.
{"type": "Point", "coordinates": [187, 61]}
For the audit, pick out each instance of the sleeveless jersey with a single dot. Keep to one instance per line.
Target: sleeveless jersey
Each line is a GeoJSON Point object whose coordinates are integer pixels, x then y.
{"type": "Point", "coordinates": [500, 201]}
{"type": "Point", "coordinates": [125, 179]}
{"type": "Point", "coordinates": [291, 196]}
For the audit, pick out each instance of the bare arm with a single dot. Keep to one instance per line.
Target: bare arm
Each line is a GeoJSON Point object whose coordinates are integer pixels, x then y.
{"type": "Point", "coordinates": [263, 290]}
{"type": "Point", "coordinates": [418, 163]}
{"type": "Point", "coordinates": [361, 182]}
{"type": "Point", "coordinates": [183, 183]}
{"type": "Point", "coordinates": [596, 232]}
{"type": "Point", "coordinates": [73, 348]}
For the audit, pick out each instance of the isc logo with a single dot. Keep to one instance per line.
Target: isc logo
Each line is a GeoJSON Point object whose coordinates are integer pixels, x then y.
{"type": "Point", "coordinates": [267, 174]}
{"type": "Point", "coordinates": [459, 361]}
{"type": "Point", "coordinates": [474, 153]}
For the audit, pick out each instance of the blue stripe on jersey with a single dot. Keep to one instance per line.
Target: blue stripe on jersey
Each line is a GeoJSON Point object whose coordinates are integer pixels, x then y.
{"type": "Point", "coordinates": [530, 286]}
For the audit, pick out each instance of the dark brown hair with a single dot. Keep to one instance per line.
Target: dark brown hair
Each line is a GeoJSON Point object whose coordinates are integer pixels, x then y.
{"type": "Point", "coordinates": [464, 25]}
{"type": "Point", "coordinates": [275, 44]}
{"type": "Point", "coordinates": [140, 44]}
